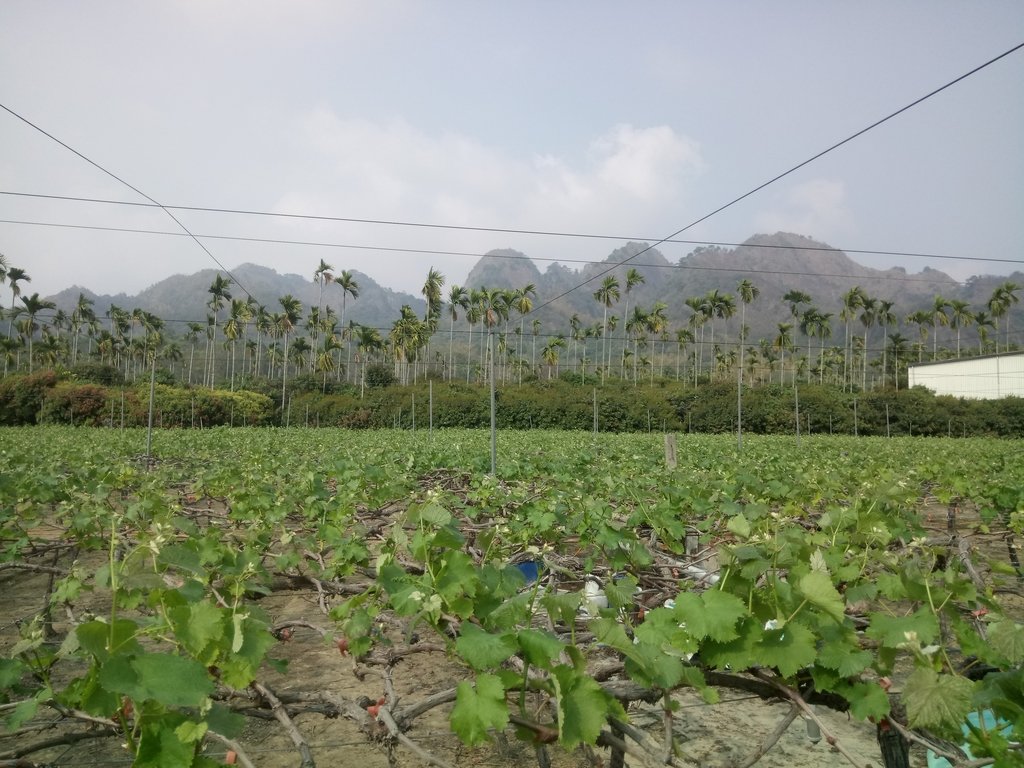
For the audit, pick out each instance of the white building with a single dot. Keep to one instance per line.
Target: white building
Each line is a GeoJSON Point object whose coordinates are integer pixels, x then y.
{"type": "Point", "coordinates": [988, 377]}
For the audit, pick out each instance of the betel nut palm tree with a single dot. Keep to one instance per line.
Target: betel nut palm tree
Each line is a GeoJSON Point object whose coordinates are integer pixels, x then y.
{"type": "Point", "coordinates": [960, 316]}
{"type": "Point", "coordinates": [458, 298]}
{"type": "Point", "coordinates": [1003, 298]}
{"type": "Point", "coordinates": [15, 275]}
{"type": "Point", "coordinates": [33, 306]}
{"type": "Point", "coordinates": [432, 293]}
{"type": "Point", "coordinates": [291, 313]}
{"type": "Point", "coordinates": [219, 295]}
{"type": "Point", "coordinates": [349, 287]}
{"type": "Point", "coordinates": [633, 278]}
{"type": "Point", "coordinates": [523, 304]}
{"type": "Point", "coordinates": [607, 295]}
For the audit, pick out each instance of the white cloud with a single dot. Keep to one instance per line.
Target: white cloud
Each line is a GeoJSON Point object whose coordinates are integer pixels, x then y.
{"type": "Point", "coordinates": [816, 208]}
{"type": "Point", "coordinates": [389, 167]}
{"type": "Point", "coordinates": [384, 169]}
{"type": "Point", "coordinates": [629, 180]}
{"type": "Point", "coordinates": [644, 163]}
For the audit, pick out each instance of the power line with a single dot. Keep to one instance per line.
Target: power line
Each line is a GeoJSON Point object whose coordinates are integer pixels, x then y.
{"type": "Point", "coordinates": [431, 252]}
{"type": "Point", "coordinates": [795, 168]}
{"type": "Point", "coordinates": [468, 228]}
{"type": "Point", "coordinates": [138, 191]}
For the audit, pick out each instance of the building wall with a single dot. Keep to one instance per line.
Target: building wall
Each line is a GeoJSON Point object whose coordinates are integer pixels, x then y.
{"type": "Point", "coordinates": [988, 377]}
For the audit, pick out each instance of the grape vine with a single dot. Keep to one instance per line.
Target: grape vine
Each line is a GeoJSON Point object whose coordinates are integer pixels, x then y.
{"type": "Point", "coordinates": [875, 577]}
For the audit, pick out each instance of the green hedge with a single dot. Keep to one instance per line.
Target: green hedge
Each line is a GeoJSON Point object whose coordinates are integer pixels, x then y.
{"type": "Point", "coordinates": [198, 407]}
{"type": "Point", "coordinates": [21, 397]}
{"type": "Point", "coordinates": [77, 404]}
{"type": "Point", "coordinates": [48, 397]}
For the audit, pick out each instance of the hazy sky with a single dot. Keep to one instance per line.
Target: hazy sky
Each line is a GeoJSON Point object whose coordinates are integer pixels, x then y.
{"type": "Point", "coordinates": [623, 119]}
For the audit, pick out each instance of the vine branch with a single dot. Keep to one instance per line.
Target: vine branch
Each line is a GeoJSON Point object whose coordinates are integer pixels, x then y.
{"type": "Point", "coordinates": [286, 722]}
{"type": "Point", "coordinates": [799, 701]}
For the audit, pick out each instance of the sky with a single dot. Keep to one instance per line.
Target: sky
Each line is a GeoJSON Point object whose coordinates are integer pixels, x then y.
{"type": "Point", "coordinates": [626, 120]}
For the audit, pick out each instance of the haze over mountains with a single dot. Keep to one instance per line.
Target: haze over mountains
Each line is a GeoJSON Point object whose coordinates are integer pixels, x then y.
{"type": "Point", "coordinates": [775, 263]}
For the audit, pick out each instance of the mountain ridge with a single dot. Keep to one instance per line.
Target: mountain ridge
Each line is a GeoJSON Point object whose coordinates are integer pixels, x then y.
{"type": "Point", "coordinates": [775, 263]}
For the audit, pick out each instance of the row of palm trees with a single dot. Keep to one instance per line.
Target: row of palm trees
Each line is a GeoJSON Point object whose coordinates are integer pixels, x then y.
{"type": "Point", "coordinates": [279, 344]}
{"type": "Point", "coordinates": [22, 318]}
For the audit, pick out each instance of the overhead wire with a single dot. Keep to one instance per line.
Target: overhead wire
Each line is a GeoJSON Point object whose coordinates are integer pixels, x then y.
{"type": "Point", "coordinates": [135, 189]}
{"type": "Point", "coordinates": [467, 228]}
{"type": "Point", "coordinates": [788, 172]}
{"type": "Point", "coordinates": [523, 257]}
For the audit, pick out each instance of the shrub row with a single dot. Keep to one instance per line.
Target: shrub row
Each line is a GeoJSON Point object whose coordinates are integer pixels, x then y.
{"type": "Point", "coordinates": [65, 397]}
{"type": "Point", "coordinates": [665, 406]}
{"type": "Point", "coordinates": [48, 398]}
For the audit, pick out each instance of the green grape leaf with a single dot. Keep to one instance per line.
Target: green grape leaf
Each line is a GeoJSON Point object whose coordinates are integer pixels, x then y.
{"type": "Point", "coordinates": [11, 671]}
{"type": "Point", "coordinates": [789, 649]}
{"type": "Point", "coordinates": [935, 700]}
{"type": "Point", "coordinates": [184, 556]}
{"type": "Point", "coordinates": [738, 653]}
{"type": "Point", "coordinates": [621, 592]}
{"type": "Point", "coordinates": [237, 631]}
{"type": "Point", "coordinates": [867, 700]}
{"type": "Point", "coordinates": [539, 648]}
{"type": "Point", "coordinates": [189, 732]}
{"type": "Point", "coordinates": [713, 614]}
{"type": "Point", "coordinates": [102, 639]}
{"type": "Point", "coordinates": [239, 669]}
{"type": "Point", "coordinates": [456, 577]}
{"type": "Point", "coordinates": [650, 666]}
{"type": "Point", "coordinates": [817, 589]}
{"type": "Point", "coordinates": [662, 627]}
{"type": "Point", "coordinates": [117, 675]}
{"type": "Point", "coordinates": [432, 513]}
{"type": "Point", "coordinates": [894, 631]}
{"type": "Point", "coordinates": [583, 707]}
{"type": "Point", "coordinates": [174, 681]}
{"type": "Point", "coordinates": [839, 651]}
{"type": "Point", "coordinates": [483, 650]}
{"type": "Point", "coordinates": [891, 586]}
{"type": "Point", "coordinates": [1007, 639]}
{"type": "Point", "coordinates": [160, 746]}
{"type": "Point", "coordinates": [479, 708]}
{"type": "Point", "coordinates": [563, 608]}
{"type": "Point", "coordinates": [867, 590]}
{"type": "Point", "coordinates": [224, 721]}
{"type": "Point", "coordinates": [739, 525]}
{"type": "Point", "coordinates": [694, 678]}
{"type": "Point", "coordinates": [22, 712]}
{"type": "Point", "coordinates": [197, 625]}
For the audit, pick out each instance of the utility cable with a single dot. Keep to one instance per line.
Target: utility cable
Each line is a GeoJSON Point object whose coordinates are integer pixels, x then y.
{"type": "Point", "coordinates": [466, 228]}
{"type": "Point", "coordinates": [782, 175]}
{"type": "Point", "coordinates": [135, 189]}
{"type": "Point", "coordinates": [430, 252]}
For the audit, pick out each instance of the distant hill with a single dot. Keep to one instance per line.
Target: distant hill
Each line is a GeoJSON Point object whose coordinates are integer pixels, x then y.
{"type": "Point", "coordinates": [775, 263]}
{"type": "Point", "coordinates": [182, 298]}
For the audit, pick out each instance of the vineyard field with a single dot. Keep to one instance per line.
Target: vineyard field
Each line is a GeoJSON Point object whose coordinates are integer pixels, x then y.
{"type": "Point", "coordinates": [278, 597]}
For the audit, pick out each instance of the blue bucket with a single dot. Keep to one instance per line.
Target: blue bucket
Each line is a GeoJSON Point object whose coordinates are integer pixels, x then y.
{"type": "Point", "coordinates": [530, 570]}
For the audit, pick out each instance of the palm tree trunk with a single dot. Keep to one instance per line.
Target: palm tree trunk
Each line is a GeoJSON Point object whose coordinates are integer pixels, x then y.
{"type": "Point", "coordinates": [284, 375]}
{"type": "Point", "coordinates": [451, 342]}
